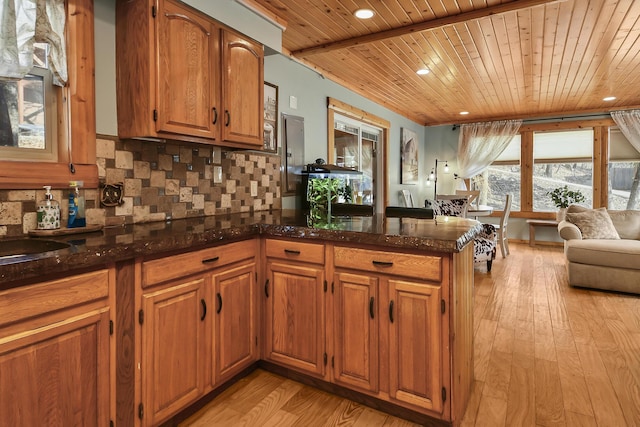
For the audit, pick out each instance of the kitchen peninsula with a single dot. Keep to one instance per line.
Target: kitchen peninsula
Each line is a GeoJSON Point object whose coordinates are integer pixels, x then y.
{"type": "Point", "coordinates": [377, 306]}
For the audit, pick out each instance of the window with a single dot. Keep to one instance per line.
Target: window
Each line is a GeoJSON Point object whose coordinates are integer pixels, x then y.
{"type": "Point", "coordinates": [502, 178]}
{"type": "Point", "coordinates": [562, 158]}
{"type": "Point", "coordinates": [549, 155]}
{"type": "Point", "coordinates": [358, 139]}
{"type": "Point", "coordinates": [28, 113]}
{"type": "Point", "coordinates": [355, 145]}
{"type": "Point", "coordinates": [75, 145]}
{"type": "Point", "coordinates": [624, 173]}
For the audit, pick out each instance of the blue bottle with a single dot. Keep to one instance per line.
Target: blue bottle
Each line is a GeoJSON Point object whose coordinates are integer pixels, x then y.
{"type": "Point", "coordinates": [76, 206]}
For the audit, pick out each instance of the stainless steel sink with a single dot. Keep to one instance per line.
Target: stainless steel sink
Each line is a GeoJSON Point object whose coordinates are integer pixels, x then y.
{"type": "Point", "coordinates": [24, 249]}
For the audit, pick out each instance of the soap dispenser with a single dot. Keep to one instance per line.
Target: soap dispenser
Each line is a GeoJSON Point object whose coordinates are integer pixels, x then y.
{"type": "Point", "coordinates": [76, 205]}
{"type": "Point", "coordinates": [48, 212]}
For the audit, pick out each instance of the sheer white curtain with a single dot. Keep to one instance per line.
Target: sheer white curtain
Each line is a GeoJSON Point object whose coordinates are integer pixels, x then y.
{"type": "Point", "coordinates": [629, 123]}
{"type": "Point", "coordinates": [24, 22]}
{"type": "Point", "coordinates": [481, 143]}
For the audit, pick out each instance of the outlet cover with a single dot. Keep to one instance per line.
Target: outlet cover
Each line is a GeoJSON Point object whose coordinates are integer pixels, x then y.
{"type": "Point", "coordinates": [293, 102]}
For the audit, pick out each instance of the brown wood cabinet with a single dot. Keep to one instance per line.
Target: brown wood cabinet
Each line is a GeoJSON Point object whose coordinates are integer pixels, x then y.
{"type": "Point", "coordinates": [382, 325]}
{"type": "Point", "coordinates": [416, 345]}
{"type": "Point", "coordinates": [174, 348]}
{"type": "Point", "coordinates": [55, 348]}
{"type": "Point", "coordinates": [183, 76]}
{"type": "Point", "coordinates": [198, 318]}
{"type": "Point", "coordinates": [294, 294]}
{"type": "Point", "coordinates": [235, 340]}
{"type": "Point", "coordinates": [356, 338]}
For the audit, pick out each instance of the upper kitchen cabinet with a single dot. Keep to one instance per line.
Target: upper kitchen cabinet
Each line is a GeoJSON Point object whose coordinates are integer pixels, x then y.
{"type": "Point", "coordinates": [242, 89]}
{"type": "Point", "coordinates": [182, 76]}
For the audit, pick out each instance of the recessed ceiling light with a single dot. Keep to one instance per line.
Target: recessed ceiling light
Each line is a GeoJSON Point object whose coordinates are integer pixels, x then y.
{"type": "Point", "coordinates": [363, 13]}
{"type": "Point", "coordinates": [422, 71]}
{"type": "Point", "coordinates": [609, 98]}
{"type": "Point", "coordinates": [464, 113]}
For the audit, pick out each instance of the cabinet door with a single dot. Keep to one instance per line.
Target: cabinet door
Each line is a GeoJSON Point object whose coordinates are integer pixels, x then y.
{"type": "Point", "coordinates": [188, 72]}
{"type": "Point", "coordinates": [295, 316]}
{"type": "Point", "coordinates": [242, 90]}
{"type": "Point", "coordinates": [415, 337]}
{"type": "Point", "coordinates": [356, 331]}
{"type": "Point", "coordinates": [57, 375]}
{"type": "Point", "coordinates": [236, 336]}
{"type": "Point", "coordinates": [173, 349]}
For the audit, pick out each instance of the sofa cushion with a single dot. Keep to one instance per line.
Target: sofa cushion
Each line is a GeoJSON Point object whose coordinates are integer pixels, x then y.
{"type": "Point", "coordinates": [594, 224]}
{"type": "Point", "coordinates": [610, 253]}
{"type": "Point", "coordinates": [627, 223]}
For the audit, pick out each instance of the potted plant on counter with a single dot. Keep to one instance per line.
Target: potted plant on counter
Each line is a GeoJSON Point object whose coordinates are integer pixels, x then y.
{"type": "Point", "coordinates": [562, 197]}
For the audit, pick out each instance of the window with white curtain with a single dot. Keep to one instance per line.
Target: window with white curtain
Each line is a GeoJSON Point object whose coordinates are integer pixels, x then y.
{"type": "Point", "coordinates": [33, 59]}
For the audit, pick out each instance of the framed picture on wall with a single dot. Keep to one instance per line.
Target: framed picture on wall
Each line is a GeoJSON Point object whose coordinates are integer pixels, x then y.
{"type": "Point", "coordinates": [270, 135]}
{"type": "Point", "coordinates": [409, 157]}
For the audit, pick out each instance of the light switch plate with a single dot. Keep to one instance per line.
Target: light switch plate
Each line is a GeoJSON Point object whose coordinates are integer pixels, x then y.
{"type": "Point", "coordinates": [293, 102]}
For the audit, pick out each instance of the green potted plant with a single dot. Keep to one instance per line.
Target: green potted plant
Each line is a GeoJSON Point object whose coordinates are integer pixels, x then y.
{"type": "Point", "coordinates": [562, 197]}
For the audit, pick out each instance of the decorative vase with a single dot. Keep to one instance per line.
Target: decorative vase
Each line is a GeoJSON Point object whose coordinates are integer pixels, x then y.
{"type": "Point", "coordinates": [562, 212]}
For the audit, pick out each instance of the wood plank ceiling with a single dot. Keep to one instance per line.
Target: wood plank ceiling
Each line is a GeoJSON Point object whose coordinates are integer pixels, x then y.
{"type": "Point", "coordinates": [495, 59]}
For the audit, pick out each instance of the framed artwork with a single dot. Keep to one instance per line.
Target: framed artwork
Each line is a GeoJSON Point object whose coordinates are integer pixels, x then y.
{"type": "Point", "coordinates": [270, 135]}
{"type": "Point", "coordinates": [409, 157]}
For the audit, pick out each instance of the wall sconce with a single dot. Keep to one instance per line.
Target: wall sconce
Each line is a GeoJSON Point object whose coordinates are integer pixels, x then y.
{"type": "Point", "coordinates": [433, 176]}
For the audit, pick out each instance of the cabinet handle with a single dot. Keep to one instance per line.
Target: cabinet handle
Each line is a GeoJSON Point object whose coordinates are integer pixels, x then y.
{"type": "Point", "coordinates": [210, 260]}
{"type": "Point", "coordinates": [215, 115]}
{"type": "Point", "coordinates": [291, 252]}
{"type": "Point", "coordinates": [371, 304]}
{"type": "Point", "coordinates": [266, 288]}
{"type": "Point", "coordinates": [382, 263]}
{"type": "Point", "coordinates": [219, 303]}
{"type": "Point", "coordinates": [391, 311]}
{"type": "Point", "coordinates": [204, 309]}
{"type": "Point", "coordinates": [227, 117]}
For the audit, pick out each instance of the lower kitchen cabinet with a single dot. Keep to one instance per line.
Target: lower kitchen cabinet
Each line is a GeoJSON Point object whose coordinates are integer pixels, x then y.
{"type": "Point", "coordinates": [174, 348]}
{"type": "Point", "coordinates": [198, 320]}
{"type": "Point", "coordinates": [55, 348]}
{"type": "Point", "coordinates": [356, 324]}
{"type": "Point", "coordinates": [236, 323]}
{"type": "Point", "coordinates": [416, 347]}
{"type": "Point", "coordinates": [295, 306]}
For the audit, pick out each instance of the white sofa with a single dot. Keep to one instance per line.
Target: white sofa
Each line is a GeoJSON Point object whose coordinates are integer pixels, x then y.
{"type": "Point", "coordinates": [604, 263]}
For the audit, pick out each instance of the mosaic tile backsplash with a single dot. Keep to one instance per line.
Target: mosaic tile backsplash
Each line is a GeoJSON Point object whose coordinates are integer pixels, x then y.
{"type": "Point", "coordinates": [161, 181]}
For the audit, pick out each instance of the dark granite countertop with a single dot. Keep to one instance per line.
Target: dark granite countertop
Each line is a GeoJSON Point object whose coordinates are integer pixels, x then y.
{"type": "Point", "coordinates": [92, 250]}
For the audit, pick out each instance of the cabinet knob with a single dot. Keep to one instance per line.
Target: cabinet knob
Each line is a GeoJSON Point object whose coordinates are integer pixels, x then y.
{"type": "Point", "coordinates": [371, 307]}
{"type": "Point", "coordinates": [391, 311]}
{"type": "Point", "coordinates": [215, 115]}
{"type": "Point", "coordinates": [227, 117]}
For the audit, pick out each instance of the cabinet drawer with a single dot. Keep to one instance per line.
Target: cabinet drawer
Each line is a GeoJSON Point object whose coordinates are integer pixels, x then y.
{"type": "Point", "coordinates": [172, 267]}
{"type": "Point", "coordinates": [295, 251]}
{"type": "Point", "coordinates": [425, 267]}
{"type": "Point", "coordinates": [46, 297]}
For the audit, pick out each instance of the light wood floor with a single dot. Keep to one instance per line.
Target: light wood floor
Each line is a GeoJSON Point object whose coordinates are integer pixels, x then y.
{"type": "Point", "coordinates": [545, 355]}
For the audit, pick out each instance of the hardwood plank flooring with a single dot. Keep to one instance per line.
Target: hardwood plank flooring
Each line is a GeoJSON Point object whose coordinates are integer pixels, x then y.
{"type": "Point", "coordinates": [546, 354]}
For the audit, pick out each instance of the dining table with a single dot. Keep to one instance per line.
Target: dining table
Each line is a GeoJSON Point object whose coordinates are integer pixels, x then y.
{"type": "Point", "coordinates": [479, 210]}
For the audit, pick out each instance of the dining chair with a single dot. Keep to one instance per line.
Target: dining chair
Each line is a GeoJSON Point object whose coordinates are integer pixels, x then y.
{"type": "Point", "coordinates": [502, 228]}
{"type": "Point", "coordinates": [484, 245]}
{"type": "Point", "coordinates": [448, 205]}
{"type": "Point", "coordinates": [473, 195]}
{"type": "Point", "coordinates": [407, 198]}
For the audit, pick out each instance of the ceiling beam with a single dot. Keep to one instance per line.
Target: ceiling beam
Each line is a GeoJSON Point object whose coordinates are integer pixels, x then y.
{"type": "Point", "coordinates": [422, 26]}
